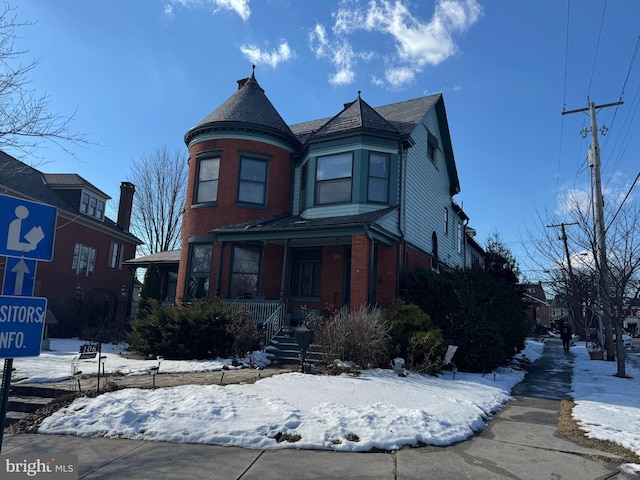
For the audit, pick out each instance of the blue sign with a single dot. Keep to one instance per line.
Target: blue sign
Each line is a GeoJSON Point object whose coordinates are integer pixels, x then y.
{"type": "Point", "coordinates": [21, 326]}
{"type": "Point", "coordinates": [19, 277]}
{"type": "Point", "coordinates": [27, 229]}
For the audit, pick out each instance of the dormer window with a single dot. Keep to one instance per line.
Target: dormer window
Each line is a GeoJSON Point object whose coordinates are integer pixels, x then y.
{"type": "Point", "coordinates": [92, 206]}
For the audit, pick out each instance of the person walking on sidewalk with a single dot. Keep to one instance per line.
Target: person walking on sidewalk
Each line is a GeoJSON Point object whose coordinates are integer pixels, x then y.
{"type": "Point", "coordinates": [565, 335]}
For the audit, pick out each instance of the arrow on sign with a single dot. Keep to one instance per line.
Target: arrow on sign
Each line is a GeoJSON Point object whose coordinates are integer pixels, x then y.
{"type": "Point", "coordinates": [20, 270]}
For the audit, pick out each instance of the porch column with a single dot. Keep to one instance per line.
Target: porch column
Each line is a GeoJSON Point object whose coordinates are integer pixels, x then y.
{"type": "Point", "coordinates": [283, 277]}
{"type": "Point", "coordinates": [359, 270]}
{"type": "Point", "coordinates": [219, 270]}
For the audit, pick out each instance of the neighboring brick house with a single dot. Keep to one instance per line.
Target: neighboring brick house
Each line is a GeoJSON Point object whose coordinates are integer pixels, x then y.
{"type": "Point", "coordinates": [86, 285]}
{"type": "Point", "coordinates": [322, 213]}
{"type": "Point", "coordinates": [538, 309]}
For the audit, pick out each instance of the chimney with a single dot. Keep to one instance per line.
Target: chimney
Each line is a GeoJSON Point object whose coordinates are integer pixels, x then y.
{"type": "Point", "coordinates": [242, 82]}
{"type": "Point", "coordinates": [127, 190]}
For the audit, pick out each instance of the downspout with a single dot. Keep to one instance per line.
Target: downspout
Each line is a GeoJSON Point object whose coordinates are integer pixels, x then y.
{"type": "Point", "coordinates": [371, 265]}
{"type": "Point", "coordinates": [283, 277]}
{"type": "Point", "coordinates": [402, 244]}
{"type": "Point", "coordinates": [464, 243]}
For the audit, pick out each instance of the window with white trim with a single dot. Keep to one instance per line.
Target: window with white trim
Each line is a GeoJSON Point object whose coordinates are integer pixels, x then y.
{"type": "Point", "coordinates": [207, 181]}
{"type": "Point", "coordinates": [115, 255]}
{"type": "Point", "coordinates": [84, 260]}
{"type": "Point", "coordinates": [92, 206]}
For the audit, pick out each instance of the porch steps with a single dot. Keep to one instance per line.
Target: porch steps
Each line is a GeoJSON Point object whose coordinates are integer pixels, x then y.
{"type": "Point", "coordinates": [285, 350]}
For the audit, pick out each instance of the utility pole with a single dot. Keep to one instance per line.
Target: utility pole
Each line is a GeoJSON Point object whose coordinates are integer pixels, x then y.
{"type": "Point", "coordinates": [594, 163]}
{"type": "Point", "coordinates": [571, 301]}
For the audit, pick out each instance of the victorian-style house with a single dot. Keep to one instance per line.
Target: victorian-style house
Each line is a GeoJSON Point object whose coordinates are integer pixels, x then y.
{"type": "Point", "coordinates": [320, 214]}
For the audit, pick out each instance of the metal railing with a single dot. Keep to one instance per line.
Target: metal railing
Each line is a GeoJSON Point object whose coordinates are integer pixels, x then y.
{"type": "Point", "coordinates": [268, 314]}
{"type": "Point", "coordinates": [272, 325]}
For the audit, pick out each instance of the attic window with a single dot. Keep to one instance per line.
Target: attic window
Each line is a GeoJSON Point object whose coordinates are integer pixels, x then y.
{"type": "Point", "coordinates": [92, 206]}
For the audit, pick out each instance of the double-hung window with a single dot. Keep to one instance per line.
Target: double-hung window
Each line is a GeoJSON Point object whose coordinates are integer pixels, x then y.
{"type": "Point", "coordinates": [252, 186]}
{"type": "Point", "coordinates": [115, 255]}
{"type": "Point", "coordinates": [84, 260]}
{"type": "Point", "coordinates": [208, 171]}
{"type": "Point", "coordinates": [334, 178]}
{"type": "Point", "coordinates": [378, 185]}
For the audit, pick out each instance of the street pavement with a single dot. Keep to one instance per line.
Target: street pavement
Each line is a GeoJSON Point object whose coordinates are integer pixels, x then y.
{"type": "Point", "coordinates": [520, 442]}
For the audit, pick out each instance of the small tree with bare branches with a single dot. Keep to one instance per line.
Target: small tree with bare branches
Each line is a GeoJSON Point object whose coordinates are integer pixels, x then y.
{"type": "Point", "coordinates": [160, 179]}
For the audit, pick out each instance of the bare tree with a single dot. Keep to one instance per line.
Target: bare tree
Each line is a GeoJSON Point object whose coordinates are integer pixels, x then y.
{"type": "Point", "coordinates": [25, 119]}
{"type": "Point", "coordinates": [160, 179]}
{"type": "Point", "coordinates": [621, 270]}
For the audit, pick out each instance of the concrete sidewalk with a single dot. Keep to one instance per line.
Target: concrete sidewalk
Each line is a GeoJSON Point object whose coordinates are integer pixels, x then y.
{"type": "Point", "coordinates": [520, 442]}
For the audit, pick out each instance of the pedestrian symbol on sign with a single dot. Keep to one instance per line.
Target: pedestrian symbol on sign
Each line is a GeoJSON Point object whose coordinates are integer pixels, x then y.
{"type": "Point", "coordinates": [33, 237]}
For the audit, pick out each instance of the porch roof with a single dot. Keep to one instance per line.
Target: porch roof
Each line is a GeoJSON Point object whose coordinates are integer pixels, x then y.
{"type": "Point", "coordinates": [160, 258]}
{"type": "Point", "coordinates": [310, 231]}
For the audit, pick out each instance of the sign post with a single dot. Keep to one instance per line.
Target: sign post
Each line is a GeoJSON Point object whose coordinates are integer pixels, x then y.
{"type": "Point", "coordinates": [27, 235]}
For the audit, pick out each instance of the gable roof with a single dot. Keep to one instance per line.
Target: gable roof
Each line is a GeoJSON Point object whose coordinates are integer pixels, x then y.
{"type": "Point", "coordinates": [248, 108]}
{"type": "Point", "coordinates": [18, 178]}
{"type": "Point", "coordinates": [71, 180]}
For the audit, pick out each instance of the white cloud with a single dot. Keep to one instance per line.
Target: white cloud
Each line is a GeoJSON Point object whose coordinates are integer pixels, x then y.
{"type": "Point", "coordinates": [416, 43]}
{"type": "Point", "coordinates": [241, 7]}
{"type": "Point", "coordinates": [273, 58]}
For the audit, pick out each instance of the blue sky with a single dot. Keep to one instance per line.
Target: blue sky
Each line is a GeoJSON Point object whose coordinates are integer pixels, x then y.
{"type": "Point", "coordinates": [139, 74]}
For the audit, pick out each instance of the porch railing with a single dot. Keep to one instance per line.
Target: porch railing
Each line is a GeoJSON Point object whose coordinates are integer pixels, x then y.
{"type": "Point", "coordinates": [268, 314]}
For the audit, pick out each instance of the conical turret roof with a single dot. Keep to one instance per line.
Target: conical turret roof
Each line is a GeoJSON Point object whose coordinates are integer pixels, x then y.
{"type": "Point", "coordinates": [248, 107]}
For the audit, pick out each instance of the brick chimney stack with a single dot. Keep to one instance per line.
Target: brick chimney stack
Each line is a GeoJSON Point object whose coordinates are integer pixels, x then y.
{"type": "Point", "coordinates": [127, 189]}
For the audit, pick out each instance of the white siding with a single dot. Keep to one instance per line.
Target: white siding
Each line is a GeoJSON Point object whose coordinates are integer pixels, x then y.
{"type": "Point", "coordinates": [427, 194]}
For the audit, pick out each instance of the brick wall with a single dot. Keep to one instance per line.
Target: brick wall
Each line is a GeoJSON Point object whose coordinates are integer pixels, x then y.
{"type": "Point", "coordinates": [387, 273]}
{"type": "Point", "coordinates": [359, 270]}
{"type": "Point", "coordinates": [201, 220]}
{"type": "Point", "coordinates": [332, 280]}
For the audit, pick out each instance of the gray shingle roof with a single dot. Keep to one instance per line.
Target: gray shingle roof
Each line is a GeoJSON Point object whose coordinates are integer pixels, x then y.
{"type": "Point", "coordinates": [248, 106]}
{"type": "Point", "coordinates": [71, 180]}
{"type": "Point", "coordinates": [295, 222]}
{"type": "Point", "coordinates": [26, 181]}
{"type": "Point", "coordinates": [356, 115]}
{"type": "Point", "coordinates": [401, 118]}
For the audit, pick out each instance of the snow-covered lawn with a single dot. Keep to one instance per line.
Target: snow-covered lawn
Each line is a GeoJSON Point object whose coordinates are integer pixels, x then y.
{"type": "Point", "coordinates": [377, 409]}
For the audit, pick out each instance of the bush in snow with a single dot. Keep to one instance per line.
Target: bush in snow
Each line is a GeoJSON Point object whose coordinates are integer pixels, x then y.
{"type": "Point", "coordinates": [414, 337]}
{"type": "Point", "coordinates": [197, 331]}
{"type": "Point", "coordinates": [359, 336]}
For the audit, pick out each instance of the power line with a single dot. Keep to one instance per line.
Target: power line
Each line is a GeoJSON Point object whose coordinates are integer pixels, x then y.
{"type": "Point", "coordinates": [633, 58]}
{"type": "Point", "coordinates": [595, 57]}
